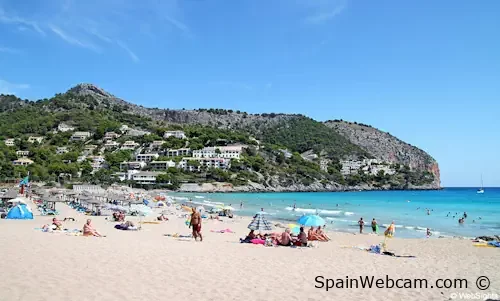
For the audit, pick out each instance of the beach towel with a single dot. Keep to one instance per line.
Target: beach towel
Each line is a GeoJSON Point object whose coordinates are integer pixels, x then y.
{"type": "Point", "coordinates": [494, 243]}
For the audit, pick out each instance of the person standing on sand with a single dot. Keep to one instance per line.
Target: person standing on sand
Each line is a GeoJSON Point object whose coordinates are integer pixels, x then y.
{"type": "Point", "coordinates": [374, 226]}
{"type": "Point", "coordinates": [196, 224]}
{"type": "Point", "coordinates": [361, 223]}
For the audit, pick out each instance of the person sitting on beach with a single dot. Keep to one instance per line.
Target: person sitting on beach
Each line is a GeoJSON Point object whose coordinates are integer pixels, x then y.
{"type": "Point", "coordinates": [121, 217]}
{"type": "Point", "coordinates": [321, 235]}
{"type": "Point", "coordinates": [302, 237]}
{"type": "Point", "coordinates": [286, 239]}
{"type": "Point", "coordinates": [251, 235]}
{"type": "Point", "coordinates": [162, 217]}
{"type": "Point", "coordinates": [57, 223]}
{"type": "Point", "coordinates": [88, 230]}
{"type": "Point", "coordinates": [311, 234]}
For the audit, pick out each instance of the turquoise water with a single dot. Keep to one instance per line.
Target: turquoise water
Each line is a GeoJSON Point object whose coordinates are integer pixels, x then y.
{"type": "Point", "coordinates": [342, 210]}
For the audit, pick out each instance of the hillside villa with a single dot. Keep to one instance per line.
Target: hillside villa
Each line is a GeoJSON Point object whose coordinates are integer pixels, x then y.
{"type": "Point", "coordinates": [80, 136]}
{"type": "Point", "coordinates": [34, 139]}
{"type": "Point", "coordinates": [176, 134]}
{"type": "Point", "coordinates": [22, 162]}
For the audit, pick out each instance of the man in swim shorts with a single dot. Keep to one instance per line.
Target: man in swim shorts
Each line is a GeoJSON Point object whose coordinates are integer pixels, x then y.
{"type": "Point", "coordinates": [361, 223]}
{"type": "Point", "coordinates": [196, 224]}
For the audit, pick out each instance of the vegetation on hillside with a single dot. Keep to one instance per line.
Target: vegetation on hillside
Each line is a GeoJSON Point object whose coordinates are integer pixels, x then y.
{"type": "Point", "coordinates": [263, 163]}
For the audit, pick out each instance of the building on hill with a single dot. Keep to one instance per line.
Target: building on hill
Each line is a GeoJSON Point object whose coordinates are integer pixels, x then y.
{"type": "Point", "coordinates": [22, 162]}
{"type": "Point", "coordinates": [176, 134]}
{"type": "Point", "coordinates": [365, 165]}
{"type": "Point", "coordinates": [34, 139]}
{"type": "Point", "coordinates": [204, 163]}
{"type": "Point", "coordinates": [128, 175]}
{"type": "Point", "coordinates": [63, 127]}
{"type": "Point", "coordinates": [162, 164]}
{"type": "Point", "coordinates": [156, 144]}
{"type": "Point", "coordinates": [146, 157]}
{"type": "Point", "coordinates": [323, 164]}
{"type": "Point", "coordinates": [133, 132]}
{"type": "Point", "coordinates": [110, 136]}
{"type": "Point", "coordinates": [288, 154]}
{"type": "Point", "coordinates": [227, 152]}
{"type": "Point", "coordinates": [132, 165]}
{"type": "Point", "coordinates": [21, 154]}
{"type": "Point", "coordinates": [178, 152]}
{"type": "Point", "coordinates": [145, 177]}
{"type": "Point", "coordinates": [61, 150]}
{"type": "Point", "coordinates": [111, 145]}
{"type": "Point", "coordinates": [80, 136]}
{"type": "Point", "coordinates": [10, 142]}
{"type": "Point", "coordinates": [129, 145]}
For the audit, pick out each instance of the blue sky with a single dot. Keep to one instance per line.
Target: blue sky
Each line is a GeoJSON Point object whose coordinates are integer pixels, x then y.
{"type": "Point", "coordinates": [428, 72]}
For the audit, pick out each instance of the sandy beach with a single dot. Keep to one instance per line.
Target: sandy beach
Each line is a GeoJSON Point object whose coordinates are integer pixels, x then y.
{"type": "Point", "coordinates": [146, 265]}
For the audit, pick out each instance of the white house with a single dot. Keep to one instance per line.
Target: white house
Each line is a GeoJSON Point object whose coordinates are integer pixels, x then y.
{"type": "Point", "coordinates": [129, 145]}
{"type": "Point", "coordinates": [176, 134]}
{"type": "Point", "coordinates": [204, 162]}
{"type": "Point", "coordinates": [178, 152]}
{"type": "Point", "coordinates": [162, 164]}
{"type": "Point", "coordinates": [146, 157]}
{"type": "Point", "coordinates": [133, 165]}
{"type": "Point", "coordinates": [10, 142]}
{"type": "Point", "coordinates": [34, 139]}
{"type": "Point", "coordinates": [145, 177]}
{"type": "Point", "coordinates": [63, 127]}
{"type": "Point", "coordinates": [22, 153]}
{"type": "Point", "coordinates": [80, 136]}
{"type": "Point", "coordinates": [22, 162]}
{"type": "Point", "coordinates": [111, 144]}
{"type": "Point", "coordinates": [126, 175]}
{"type": "Point", "coordinates": [61, 150]}
{"type": "Point", "coordinates": [110, 136]}
{"type": "Point", "coordinates": [156, 144]}
{"type": "Point", "coordinates": [227, 152]}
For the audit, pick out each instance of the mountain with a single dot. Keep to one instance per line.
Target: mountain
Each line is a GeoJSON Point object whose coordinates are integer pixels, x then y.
{"type": "Point", "coordinates": [291, 151]}
{"type": "Point", "coordinates": [384, 146]}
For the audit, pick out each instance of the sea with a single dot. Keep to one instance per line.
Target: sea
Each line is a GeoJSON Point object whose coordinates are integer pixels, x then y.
{"type": "Point", "coordinates": [412, 211]}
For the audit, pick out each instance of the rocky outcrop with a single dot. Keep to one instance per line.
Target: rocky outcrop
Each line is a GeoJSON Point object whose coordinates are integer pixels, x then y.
{"type": "Point", "coordinates": [386, 147]}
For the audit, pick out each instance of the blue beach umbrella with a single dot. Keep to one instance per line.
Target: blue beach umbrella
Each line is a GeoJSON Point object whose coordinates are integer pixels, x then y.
{"type": "Point", "coordinates": [311, 220]}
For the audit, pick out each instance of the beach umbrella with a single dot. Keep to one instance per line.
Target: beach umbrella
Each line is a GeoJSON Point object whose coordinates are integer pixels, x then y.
{"type": "Point", "coordinates": [311, 220]}
{"type": "Point", "coordinates": [18, 200]}
{"type": "Point", "coordinates": [260, 223]}
{"type": "Point", "coordinates": [294, 228]}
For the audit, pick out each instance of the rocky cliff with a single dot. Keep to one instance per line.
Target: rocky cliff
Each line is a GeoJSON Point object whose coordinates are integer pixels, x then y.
{"type": "Point", "coordinates": [386, 147]}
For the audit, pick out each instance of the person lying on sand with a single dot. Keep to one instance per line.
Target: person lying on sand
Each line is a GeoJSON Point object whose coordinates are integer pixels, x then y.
{"type": "Point", "coordinates": [88, 230]}
{"type": "Point", "coordinates": [321, 235]}
{"type": "Point", "coordinates": [57, 223]}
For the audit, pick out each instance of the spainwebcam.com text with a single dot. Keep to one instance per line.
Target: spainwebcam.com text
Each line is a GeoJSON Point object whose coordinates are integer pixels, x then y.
{"type": "Point", "coordinates": [347, 282]}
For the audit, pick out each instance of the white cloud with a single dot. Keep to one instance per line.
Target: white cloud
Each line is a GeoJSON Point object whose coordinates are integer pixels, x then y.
{"type": "Point", "coordinates": [72, 40]}
{"type": "Point", "coordinates": [11, 88]}
{"type": "Point", "coordinates": [8, 50]}
{"type": "Point", "coordinates": [128, 51]}
{"type": "Point", "coordinates": [325, 11]}
{"type": "Point", "coordinates": [322, 17]}
{"type": "Point", "coordinates": [15, 20]}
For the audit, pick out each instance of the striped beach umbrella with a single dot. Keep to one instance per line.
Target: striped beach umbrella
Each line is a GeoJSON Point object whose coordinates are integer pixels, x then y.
{"type": "Point", "coordinates": [260, 223]}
